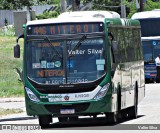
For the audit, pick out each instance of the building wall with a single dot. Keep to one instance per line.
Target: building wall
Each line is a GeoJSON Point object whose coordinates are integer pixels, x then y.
{"type": "Point", "coordinates": [8, 14]}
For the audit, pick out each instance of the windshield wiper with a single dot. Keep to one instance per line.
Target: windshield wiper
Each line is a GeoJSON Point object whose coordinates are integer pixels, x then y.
{"type": "Point", "coordinates": [53, 48]}
{"type": "Point", "coordinates": [78, 45]}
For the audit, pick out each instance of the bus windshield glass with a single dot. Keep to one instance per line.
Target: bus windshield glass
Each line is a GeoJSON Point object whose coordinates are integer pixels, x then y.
{"type": "Point", "coordinates": [151, 49]}
{"type": "Point", "coordinates": [150, 26]}
{"type": "Point", "coordinates": [56, 62]}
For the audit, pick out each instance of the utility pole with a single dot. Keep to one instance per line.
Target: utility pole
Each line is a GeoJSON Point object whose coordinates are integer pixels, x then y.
{"type": "Point", "coordinates": [75, 5]}
{"type": "Point", "coordinates": [63, 5]}
{"type": "Point", "coordinates": [141, 5]}
{"type": "Point", "coordinates": [123, 9]}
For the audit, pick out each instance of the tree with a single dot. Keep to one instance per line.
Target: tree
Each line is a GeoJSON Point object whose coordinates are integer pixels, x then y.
{"type": "Point", "coordinates": [109, 5]}
{"type": "Point", "coordinates": [47, 2]}
{"type": "Point", "coordinates": [115, 5]}
{"type": "Point", "coordinates": [16, 4]}
{"type": "Point", "coordinates": [19, 4]}
{"type": "Point", "coordinates": [148, 6]}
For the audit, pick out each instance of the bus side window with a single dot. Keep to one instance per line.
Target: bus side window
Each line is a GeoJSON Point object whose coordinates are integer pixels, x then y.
{"type": "Point", "coordinates": [113, 51]}
{"type": "Point", "coordinates": [111, 38]}
{"type": "Point", "coordinates": [112, 61]}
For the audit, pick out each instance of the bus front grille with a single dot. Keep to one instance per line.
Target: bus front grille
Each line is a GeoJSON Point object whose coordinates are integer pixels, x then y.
{"type": "Point", "coordinates": [79, 107]}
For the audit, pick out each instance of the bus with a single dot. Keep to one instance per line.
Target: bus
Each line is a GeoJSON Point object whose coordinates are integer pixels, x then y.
{"type": "Point", "coordinates": [151, 49]}
{"type": "Point", "coordinates": [82, 66]}
{"type": "Point", "coordinates": [150, 29]}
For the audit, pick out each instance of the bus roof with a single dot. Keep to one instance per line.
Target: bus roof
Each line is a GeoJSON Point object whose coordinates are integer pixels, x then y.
{"type": "Point", "coordinates": [146, 14]}
{"type": "Point", "coordinates": [62, 20]}
{"type": "Point", "coordinates": [90, 14]}
{"type": "Point", "coordinates": [78, 16]}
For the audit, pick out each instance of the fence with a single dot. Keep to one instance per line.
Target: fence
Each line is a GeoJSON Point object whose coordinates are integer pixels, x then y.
{"type": "Point", "coordinates": [8, 14]}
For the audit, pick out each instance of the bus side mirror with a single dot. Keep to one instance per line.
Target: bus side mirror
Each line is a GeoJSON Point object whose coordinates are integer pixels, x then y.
{"type": "Point", "coordinates": [17, 47]}
{"type": "Point", "coordinates": [17, 51]}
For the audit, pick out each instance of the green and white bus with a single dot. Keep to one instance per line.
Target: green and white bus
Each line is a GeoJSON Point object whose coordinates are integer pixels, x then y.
{"type": "Point", "coordinates": [82, 66]}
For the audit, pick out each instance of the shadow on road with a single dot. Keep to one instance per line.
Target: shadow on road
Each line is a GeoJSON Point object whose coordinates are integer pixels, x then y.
{"type": "Point", "coordinates": [17, 119]}
{"type": "Point", "coordinates": [99, 123]}
{"type": "Point", "coordinates": [89, 124]}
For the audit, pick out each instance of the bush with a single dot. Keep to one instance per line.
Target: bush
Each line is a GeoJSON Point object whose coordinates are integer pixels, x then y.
{"type": "Point", "coordinates": [46, 15]}
{"type": "Point", "coordinates": [8, 30]}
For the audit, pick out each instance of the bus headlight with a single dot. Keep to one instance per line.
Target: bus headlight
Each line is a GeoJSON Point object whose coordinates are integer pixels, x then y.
{"type": "Point", "coordinates": [102, 92]}
{"type": "Point", "coordinates": [31, 95]}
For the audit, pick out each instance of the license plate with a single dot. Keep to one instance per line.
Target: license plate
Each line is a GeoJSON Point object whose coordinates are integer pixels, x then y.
{"type": "Point", "coordinates": [67, 111]}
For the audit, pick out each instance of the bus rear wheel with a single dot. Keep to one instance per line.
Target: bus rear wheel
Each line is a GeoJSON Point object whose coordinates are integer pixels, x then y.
{"type": "Point", "coordinates": [45, 120]}
{"type": "Point", "coordinates": [132, 111]}
{"type": "Point", "coordinates": [124, 113]}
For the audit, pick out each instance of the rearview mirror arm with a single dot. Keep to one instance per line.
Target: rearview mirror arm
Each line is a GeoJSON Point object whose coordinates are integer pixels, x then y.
{"type": "Point", "coordinates": [20, 36]}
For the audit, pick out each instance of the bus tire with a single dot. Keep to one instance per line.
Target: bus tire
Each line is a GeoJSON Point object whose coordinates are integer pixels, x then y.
{"type": "Point", "coordinates": [73, 118]}
{"type": "Point", "coordinates": [132, 112]}
{"type": "Point", "coordinates": [45, 120]}
{"type": "Point", "coordinates": [124, 114]}
{"type": "Point", "coordinates": [63, 119]}
{"type": "Point", "coordinates": [119, 100]}
{"type": "Point", "coordinates": [111, 117]}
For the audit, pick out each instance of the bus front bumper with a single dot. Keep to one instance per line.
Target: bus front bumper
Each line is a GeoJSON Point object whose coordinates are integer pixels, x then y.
{"type": "Point", "coordinates": [80, 108]}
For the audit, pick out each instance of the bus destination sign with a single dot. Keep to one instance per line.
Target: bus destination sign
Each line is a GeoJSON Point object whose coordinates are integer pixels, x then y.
{"type": "Point", "coordinates": [71, 28]}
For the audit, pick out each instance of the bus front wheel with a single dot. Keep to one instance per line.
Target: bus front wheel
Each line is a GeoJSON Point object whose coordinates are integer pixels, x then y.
{"type": "Point", "coordinates": [63, 119]}
{"type": "Point", "coordinates": [112, 117]}
{"type": "Point", "coordinates": [45, 120]}
{"type": "Point", "coordinates": [73, 118]}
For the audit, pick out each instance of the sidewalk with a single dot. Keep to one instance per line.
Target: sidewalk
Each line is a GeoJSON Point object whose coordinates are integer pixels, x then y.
{"type": "Point", "coordinates": [12, 103]}
{"type": "Point", "coordinates": [17, 99]}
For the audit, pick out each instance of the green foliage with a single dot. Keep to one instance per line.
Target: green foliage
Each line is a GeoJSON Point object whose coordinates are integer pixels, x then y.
{"type": "Point", "coordinates": [15, 4]}
{"type": "Point", "coordinates": [107, 5]}
{"type": "Point", "coordinates": [46, 15]}
{"type": "Point", "coordinates": [114, 5]}
{"type": "Point", "coordinates": [55, 1]}
{"type": "Point", "coordinates": [9, 84]}
{"type": "Point", "coordinates": [19, 4]}
{"type": "Point", "coordinates": [133, 10]}
{"type": "Point", "coordinates": [47, 2]}
{"type": "Point", "coordinates": [148, 6]}
{"type": "Point", "coordinates": [7, 31]}
{"type": "Point", "coordinates": [50, 14]}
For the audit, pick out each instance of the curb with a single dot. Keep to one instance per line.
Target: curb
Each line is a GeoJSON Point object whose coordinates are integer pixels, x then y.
{"type": "Point", "coordinates": [18, 99]}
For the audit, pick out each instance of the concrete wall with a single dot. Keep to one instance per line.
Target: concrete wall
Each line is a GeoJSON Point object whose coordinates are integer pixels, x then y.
{"type": "Point", "coordinates": [8, 14]}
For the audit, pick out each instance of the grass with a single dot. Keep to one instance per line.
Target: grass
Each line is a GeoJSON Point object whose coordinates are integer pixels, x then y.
{"type": "Point", "coordinates": [9, 111]}
{"type": "Point", "coordinates": [9, 84]}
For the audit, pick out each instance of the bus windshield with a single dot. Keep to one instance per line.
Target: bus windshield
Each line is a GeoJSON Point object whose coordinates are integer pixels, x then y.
{"type": "Point", "coordinates": [150, 26]}
{"type": "Point", "coordinates": [56, 61]}
{"type": "Point", "coordinates": [151, 49]}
